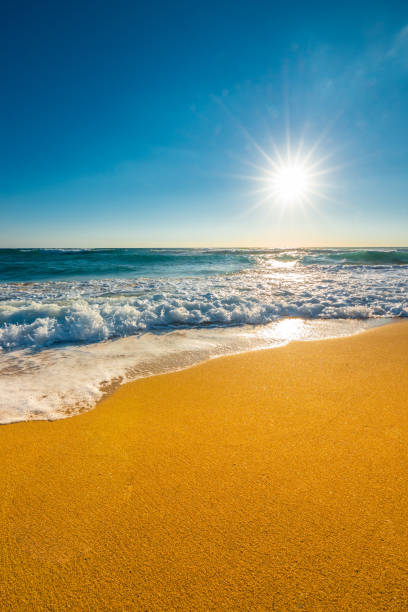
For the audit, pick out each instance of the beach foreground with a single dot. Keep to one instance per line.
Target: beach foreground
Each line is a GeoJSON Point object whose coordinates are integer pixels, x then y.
{"type": "Point", "coordinates": [268, 480]}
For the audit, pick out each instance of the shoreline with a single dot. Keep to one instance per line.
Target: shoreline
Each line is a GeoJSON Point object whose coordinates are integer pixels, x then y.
{"type": "Point", "coordinates": [266, 479]}
{"type": "Point", "coordinates": [70, 380]}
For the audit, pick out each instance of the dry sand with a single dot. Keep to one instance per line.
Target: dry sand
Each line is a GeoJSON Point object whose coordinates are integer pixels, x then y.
{"type": "Point", "coordinates": [270, 480]}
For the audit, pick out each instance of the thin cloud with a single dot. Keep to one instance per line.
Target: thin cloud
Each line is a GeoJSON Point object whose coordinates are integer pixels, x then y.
{"type": "Point", "coordinates": [399, 48]}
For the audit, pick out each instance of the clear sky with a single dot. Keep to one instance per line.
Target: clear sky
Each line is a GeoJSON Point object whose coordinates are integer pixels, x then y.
{"type": "Point", "coordinates": [133, 123]}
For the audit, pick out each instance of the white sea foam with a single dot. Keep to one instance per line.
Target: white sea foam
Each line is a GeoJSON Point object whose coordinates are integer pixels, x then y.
{"type": "Point", "coordinates": [48, 313]}
{"type": "Point", "coordinates": [59, 382]}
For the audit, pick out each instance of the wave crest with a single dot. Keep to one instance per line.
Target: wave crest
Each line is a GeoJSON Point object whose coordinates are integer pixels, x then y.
{"type": "Point", "coordinates": [365, 257]}
{"type": "Point", "coordinates": [51, 313]}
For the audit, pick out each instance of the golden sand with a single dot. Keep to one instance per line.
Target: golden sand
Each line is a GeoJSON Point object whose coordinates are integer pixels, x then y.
{"type": "Point", "coordinates": [270, 480]}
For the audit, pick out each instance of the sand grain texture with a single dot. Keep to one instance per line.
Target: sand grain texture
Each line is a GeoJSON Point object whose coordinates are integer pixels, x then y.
{"type": "Point", "coordinates": [269, 480]}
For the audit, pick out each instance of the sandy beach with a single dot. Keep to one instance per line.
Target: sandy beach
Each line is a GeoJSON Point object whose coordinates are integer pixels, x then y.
{"type": "Point", "coordinates": [268, 480]}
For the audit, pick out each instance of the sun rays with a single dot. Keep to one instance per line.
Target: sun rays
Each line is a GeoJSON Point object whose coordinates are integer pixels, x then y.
{"type": "Point", "coordinates": [290, 181]}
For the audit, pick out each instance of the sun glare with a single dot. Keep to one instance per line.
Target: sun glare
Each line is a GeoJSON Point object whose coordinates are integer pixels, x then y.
{"type": "Point", "coordinates": [291, 180]}
{"type": "Point", "coordinates": [291, 183]}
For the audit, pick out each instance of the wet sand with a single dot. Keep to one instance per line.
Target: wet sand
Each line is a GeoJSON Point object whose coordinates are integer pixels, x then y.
{"type": "Point", "coordinates": [269, 480]}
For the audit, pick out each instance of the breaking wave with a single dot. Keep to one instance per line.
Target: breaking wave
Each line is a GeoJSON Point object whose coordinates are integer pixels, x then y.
{"type": "Point", "coordinates": [39, 315]}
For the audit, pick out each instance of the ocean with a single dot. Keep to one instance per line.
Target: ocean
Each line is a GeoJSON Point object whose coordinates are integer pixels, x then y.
{"type": "Point", "coordinates": [75, 323]}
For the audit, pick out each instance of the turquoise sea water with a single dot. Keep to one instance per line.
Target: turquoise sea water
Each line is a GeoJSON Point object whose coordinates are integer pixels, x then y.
{"type": "Point", "coordinates": [72, 320]}
{"type": "Point", "coordinates": [26, 265]}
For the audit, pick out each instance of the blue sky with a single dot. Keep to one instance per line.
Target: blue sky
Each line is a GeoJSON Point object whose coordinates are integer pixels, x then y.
{"type": "Point", "coordinates": [141, 123]}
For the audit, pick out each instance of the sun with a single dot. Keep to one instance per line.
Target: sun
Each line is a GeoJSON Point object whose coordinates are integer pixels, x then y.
{"type": "Point", "coordinates": [291, 182]}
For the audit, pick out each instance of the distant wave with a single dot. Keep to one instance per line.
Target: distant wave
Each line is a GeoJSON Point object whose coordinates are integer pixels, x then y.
{"type": "Point", "coordinates": [26, 265]}
{"type": "Point", "coordinates": [364, 257]}
{"type": "Point", "coordinates": [29, 265]}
